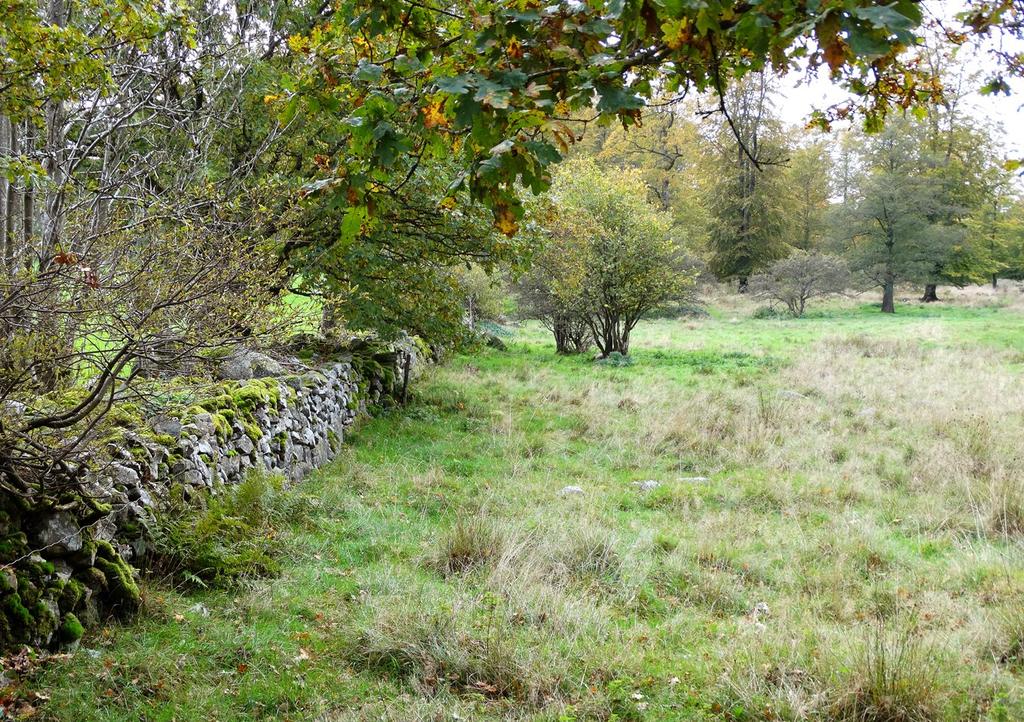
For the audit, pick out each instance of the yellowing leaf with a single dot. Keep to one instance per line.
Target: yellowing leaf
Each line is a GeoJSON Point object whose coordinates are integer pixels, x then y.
{"type": "Point", "coordinates": [676, 32]}
{"type": "Point", "coordinates": [433, 115]}
{"type": "Point", "coordinates": [505, 221]}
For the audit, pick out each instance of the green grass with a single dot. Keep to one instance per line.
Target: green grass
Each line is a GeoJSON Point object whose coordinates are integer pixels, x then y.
{"type": "Point", "coordinates": [837, 534]}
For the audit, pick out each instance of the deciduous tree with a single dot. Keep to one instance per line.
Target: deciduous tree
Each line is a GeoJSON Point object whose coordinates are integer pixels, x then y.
{"type": "Point", "coordinates": [611, 256]}
{"type": "Point", "coordinates": [746, 196]}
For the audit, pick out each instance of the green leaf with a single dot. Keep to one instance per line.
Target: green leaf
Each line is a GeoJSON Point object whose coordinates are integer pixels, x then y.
{"type": "Point", "coordinates": [866, 44]}
{"type": "Point", "coordinates": [456, 85]}
{"type": "Point", "coordinates": [405, 64]}
{"type": "Point", "coordinates": [885, 17]}
{"type": "Point", "coordinates": [368, 72]}
{"type": "Point", "coordinates": [351, 223]}
{"type": "Point", "coordinates": [615, 97]}
{"type": "Point", "coordinates": [492, 94]}
{"type": "Point", "coordinates": [290, 108]}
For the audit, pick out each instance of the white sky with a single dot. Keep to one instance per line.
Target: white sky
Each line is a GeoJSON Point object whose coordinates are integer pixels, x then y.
{"type": "Point", "coordinates": [799, 96]}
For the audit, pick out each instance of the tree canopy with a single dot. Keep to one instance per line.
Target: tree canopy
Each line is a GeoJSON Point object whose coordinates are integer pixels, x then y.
{"type": "Point", "coordinates": [497, 84]}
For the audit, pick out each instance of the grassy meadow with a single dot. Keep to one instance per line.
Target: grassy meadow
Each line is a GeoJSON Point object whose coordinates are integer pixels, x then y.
{"type": "Point", "coordinates": [836, 532]}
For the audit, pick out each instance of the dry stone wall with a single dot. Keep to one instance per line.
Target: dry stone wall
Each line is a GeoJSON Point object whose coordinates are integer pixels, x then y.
{"type": "Point", "coordinates": [68, 567]}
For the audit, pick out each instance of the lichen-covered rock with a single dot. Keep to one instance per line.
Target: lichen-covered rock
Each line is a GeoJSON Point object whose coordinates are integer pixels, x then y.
{"type": "Point", "coordinates": [60, 533]}
{"type": "Point", "coordinates": [165, 425]}
{"type": "Point", "coordinates": [243, 364]}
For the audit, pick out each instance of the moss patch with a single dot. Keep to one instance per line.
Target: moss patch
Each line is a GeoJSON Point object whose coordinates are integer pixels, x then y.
{"type": "Point", "coordinates": [70, 630]}
{"type": "Point", "coordinates": [124, 592]}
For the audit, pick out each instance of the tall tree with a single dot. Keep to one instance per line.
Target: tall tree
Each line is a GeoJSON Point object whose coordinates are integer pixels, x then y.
{"type": "Point", "coordinates": [745, 197]}
{"type": "Point", "coordinates": [808, 182]}
{"type": "Point", "coordinates": [667, 149]}
{"type": "Point", "coordinates": [962, 160]}
{"type": "Point", "coordinates": [888, 224]}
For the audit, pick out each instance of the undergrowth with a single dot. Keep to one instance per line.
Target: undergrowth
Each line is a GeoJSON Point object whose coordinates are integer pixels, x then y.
{"type": "Point", "coordinates": [231, 536]}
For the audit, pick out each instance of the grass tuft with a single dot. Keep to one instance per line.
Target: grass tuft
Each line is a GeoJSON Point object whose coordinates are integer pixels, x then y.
{"type": "Point", "coordinates": [893, 677]}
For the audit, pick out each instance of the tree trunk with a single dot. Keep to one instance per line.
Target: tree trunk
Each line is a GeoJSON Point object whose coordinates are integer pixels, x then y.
{"type": "Point", "coordinates": [888, 297]}
{"type": "Point", "coordinates": [53, 141]}
{"type": "Point", "coordinates": [930, 296]}
{"type": "Point", "coordinates": [561, 333]}
{"type": "Point", "coordinates": [329, 320]}
{"type": "Point", "coordinates": [623, 343]}
{"type": "Point", "coordinates": [8, 146]}
{"type": "Point", "coordinates": [28, 204]}
{"type": "Point", "coordinates": [102, 203]}
{"type": "Point", "coordinates": [994, 280]}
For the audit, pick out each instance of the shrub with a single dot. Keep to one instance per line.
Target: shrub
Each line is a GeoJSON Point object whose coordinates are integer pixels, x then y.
{"type": "Point", "coordinates": [762, 313]}
{"type": "Point", "coordinates": [616, 359]}
{"type": "Point", "coordinates": [607, 255]}
{"type": "Point", "coordinates": [797, 279]}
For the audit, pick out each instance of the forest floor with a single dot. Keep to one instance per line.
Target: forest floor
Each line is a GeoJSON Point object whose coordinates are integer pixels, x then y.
{"type": "Point", "coordinates": [836, 531]}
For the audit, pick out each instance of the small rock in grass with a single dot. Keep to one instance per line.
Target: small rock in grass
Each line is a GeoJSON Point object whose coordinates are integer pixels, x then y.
{"type": "Point", "coordinates": [647, 484]}
{"type": "Point", "coordinates": [570, 490]}
{"type": "Point", "coordinates": [694, 479]}
{"type": "Point", "coordinates": [760, 610]}
{"type": "Point", "coordinates": [199, 609]}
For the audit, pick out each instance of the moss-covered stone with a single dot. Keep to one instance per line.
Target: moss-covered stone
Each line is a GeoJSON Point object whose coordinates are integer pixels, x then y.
{"type": "Point", "coordinates": [93, 577]}
{"type": "Point", "coordinates": [27, 589]}
{"type": "Point", "coordinates": [7, 636]}
{"type": "Point", "coordinates": [139, 453]}
{"type": "Point", "coordinates": [253, 431]}
{"type": "Point", "coordinates": [13, 546]}
{"type": "Point", "coordinates": [70, 630]}
{"type": "Point", "coordinates": [97, 507]}
{"type": "Point", "coordinates": [46, 621]}
{"type": "Point", "coordinates": [8, 581]}
{"type": "Point", "coordinates": [121, 587]}
{"type": "Point", "coordinates": [222, 425]}
{"type": "Point", "coordinates": [216, 403]}
{"type": "Point", "coordinates": [255, 393]}
{"type": "Point", "coordinates": [126, 415]}
{"type": "Point", "coordinates": [72, 594]}
{"type": "Point", "coordinates": [16, 612]}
